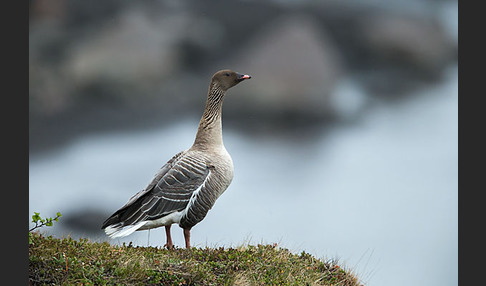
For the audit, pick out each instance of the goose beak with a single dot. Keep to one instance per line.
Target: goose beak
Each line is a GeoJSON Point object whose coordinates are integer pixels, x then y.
{"type": "Point", "coordinates": [242, 77]}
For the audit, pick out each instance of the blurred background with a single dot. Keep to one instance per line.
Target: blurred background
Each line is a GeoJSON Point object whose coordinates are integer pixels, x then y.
{"type": "Point", "coordinates": [344, 141]}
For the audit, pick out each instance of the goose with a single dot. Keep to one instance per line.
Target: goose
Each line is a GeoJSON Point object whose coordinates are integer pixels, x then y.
{"type": "Point", "coordinates": [187, 186]}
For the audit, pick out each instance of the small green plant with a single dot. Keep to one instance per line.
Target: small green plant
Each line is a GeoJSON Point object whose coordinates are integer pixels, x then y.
{"type": "Point", "coordinates": [39, 222]}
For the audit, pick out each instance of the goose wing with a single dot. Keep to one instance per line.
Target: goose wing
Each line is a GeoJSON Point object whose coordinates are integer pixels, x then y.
{"type": "Point", "coordinates": [170, 191]}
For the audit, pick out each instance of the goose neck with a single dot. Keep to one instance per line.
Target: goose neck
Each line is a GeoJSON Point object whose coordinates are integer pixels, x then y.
{"type": "Point", "coordinates": [210, 126]}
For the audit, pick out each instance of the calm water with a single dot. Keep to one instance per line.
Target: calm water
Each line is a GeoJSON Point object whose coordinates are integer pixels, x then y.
{"type": "Point", "coordinates": [379, 195]}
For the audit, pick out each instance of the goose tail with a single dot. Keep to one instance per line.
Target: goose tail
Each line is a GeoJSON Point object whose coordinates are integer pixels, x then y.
{"type": "Point", "coordinates": [119, 230]}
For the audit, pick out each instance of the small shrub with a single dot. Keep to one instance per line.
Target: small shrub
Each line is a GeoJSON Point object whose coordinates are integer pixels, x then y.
{"type": "Point", "coordinates": [39, 222]}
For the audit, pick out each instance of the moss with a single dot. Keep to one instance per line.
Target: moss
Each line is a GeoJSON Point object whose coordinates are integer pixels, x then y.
{"type": "Point", "coordinates": [67, 261]}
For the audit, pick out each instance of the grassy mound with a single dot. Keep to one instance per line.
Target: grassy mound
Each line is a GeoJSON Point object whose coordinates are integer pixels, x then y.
{"type": "Point", "coordinates": [67, 261]}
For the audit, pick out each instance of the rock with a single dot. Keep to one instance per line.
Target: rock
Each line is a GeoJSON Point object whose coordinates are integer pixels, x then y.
{"type": "Point", "coordinates": [391, 48]}
{"type": "Point", "coordinates": [294, 66]}
{"type": "Point", "coordinates": [406, 40]}
{"type": "Point", "coordinates": [85, 220]}
{"type": "Point", "coordinates": [131, 48]}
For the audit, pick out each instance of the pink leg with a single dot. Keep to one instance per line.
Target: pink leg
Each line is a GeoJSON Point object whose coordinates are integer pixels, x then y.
{"type": "Point", "coordinates": [169, 243]}
{"type": "Point", "coordinates": [187, 237]}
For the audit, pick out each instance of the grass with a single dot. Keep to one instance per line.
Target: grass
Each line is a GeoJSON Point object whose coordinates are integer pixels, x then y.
{"type": "Point", "coordinates": [67, 261]}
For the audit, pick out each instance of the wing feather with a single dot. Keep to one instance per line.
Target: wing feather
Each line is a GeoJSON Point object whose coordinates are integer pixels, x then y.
{"type": "Point", "coordinates": [169, 191]}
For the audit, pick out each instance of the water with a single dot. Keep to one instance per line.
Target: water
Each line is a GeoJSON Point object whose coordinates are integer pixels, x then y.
{"type": "Point", "coordinates": [379, 195]}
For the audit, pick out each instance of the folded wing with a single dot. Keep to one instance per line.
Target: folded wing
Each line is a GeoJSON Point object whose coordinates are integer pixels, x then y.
{"type": "Point", "coordinates": [170, 191]}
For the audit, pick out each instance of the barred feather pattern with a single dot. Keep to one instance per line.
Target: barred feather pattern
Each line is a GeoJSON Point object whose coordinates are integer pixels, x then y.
{"type": "Point", "coordinates": [199, 205]}
{"type": "Point", "coordinates": [214, 104]}
{"type": "Point", "coordinates": [170, 191]}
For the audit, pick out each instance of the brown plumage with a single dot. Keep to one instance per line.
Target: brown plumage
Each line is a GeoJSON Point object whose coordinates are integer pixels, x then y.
{"type": "Point", "coordinates": [187, 186]}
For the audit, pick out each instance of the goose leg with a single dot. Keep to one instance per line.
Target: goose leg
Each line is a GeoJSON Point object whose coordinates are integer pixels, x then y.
{"type": "Point", "coordinates": [169, 243]}
{"type": "Point", "coordinates": [187, 237]}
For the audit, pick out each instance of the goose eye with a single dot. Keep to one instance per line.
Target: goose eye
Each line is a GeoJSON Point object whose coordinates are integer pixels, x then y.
{"type": "Point", "coordinates": [227, 74]}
